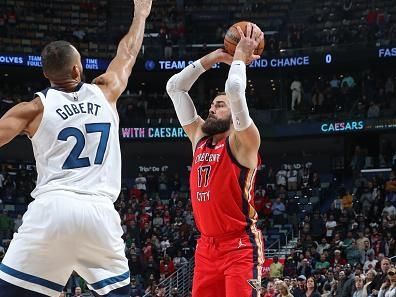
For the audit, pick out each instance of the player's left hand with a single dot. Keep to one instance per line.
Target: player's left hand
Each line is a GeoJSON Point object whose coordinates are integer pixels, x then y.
{"type": "Point", "coordinates": [221, 56]}
{"type": "Point", "coordinates": [248, 43]}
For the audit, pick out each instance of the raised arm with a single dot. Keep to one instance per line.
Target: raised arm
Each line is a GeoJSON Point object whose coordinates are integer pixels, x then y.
{"type": "Point", "coordinates": [115, 80]}
{"type": "Point", "coordinates": [23, 118]}
{"type": "Point", "coordinates": [245, 139]}
{"type": "Point", "coordinates": [179, 85]}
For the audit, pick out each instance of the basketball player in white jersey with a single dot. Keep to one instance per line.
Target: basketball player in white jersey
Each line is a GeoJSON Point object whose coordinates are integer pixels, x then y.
{"type": "Point", "coordinates": [72, 223]}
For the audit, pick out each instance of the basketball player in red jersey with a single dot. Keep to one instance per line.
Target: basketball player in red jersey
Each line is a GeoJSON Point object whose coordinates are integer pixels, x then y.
{"type": "Point", "coordinates": [229, 254]}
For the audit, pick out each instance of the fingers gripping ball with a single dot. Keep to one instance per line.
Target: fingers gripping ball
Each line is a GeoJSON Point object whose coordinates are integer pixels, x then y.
{"type": "Point", "coordinates": [232, 38]}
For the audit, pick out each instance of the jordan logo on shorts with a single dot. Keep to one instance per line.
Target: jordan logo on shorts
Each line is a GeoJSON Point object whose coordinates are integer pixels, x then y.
{"type": "Point", "coordinates": [241, 244]}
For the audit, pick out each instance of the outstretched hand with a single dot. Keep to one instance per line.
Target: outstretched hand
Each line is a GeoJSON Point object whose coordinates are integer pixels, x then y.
{"type": "Point", "coordinates": [248, 43]}
{"type": "Point", "coordinates": [142, 7]}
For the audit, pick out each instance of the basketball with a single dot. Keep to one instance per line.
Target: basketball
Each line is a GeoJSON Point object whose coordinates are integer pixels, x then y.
{"type": "Point", "coordinates": [232, 38]}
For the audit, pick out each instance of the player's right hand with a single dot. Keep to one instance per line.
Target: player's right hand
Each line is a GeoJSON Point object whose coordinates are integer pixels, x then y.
{"type": "Point", "coordinates": [142, 7]}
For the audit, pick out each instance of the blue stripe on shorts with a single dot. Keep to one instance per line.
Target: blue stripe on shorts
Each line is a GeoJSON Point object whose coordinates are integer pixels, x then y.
{"type": "Point", "coordinates": [109, 281]}
{"type": "Point", "coordinates": [31, 278]}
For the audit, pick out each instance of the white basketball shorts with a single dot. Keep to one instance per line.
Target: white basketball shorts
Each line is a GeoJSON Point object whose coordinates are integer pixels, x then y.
{"type": "Point", "coordinates": [62, 232]}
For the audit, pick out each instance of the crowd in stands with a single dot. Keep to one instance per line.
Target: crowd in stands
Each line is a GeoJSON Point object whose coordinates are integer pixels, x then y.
{"type": "Point", "coordinates": [28, 26]}
{"type": "Point", "coordinates": [173, 26]}
{"type": "Point", "coordinates": [346, 250]}
{"type": "Point", "coordinates": [341, 249]}
{"type": "Point", "coordinates": [352, 95]}
{"type": "Point", "coordinates": [156, 217]}
{"type": "Point", "coordinates": [368, 94]}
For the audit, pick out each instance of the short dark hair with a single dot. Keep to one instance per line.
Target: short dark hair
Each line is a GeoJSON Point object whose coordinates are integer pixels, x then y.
{"type": "Point", "coordinates": [57, 56]}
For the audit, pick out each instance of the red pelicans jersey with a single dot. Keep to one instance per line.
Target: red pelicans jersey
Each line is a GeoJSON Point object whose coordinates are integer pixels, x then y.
{"type": "Point", "coordinates": [222, 190]}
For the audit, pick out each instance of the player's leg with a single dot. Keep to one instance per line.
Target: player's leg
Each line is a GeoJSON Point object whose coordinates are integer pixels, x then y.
{"type": "Point", "coordinates": [208, 279]}
{"type": "Point", "coordinates": [101, 256]}
{"type": "Point", "coordinates": [243, 280]}
{"type": "Point", "coordinates": [244, 264]}
{"type": "Point", "coordinates": [38, 259]}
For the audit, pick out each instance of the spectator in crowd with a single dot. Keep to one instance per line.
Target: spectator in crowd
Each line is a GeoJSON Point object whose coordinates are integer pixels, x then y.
{"type": "Point", "coordinates": [326, 290]}
{"type": "Point", "coordinates": [304, 268]}
{"type": "Point", "coordinates": [317, 99]}
{"type": "Point", "coordinates": [330, 280]}
{"type": "Point", "coordinates": [345, 283]}
{"type": "Point", "coordinates": [140, 182]}
{"type": "Point", "coordinates": [347, 202]}
{"type": "Point", "coordinates": [276, 268]}
{"type": "Point", "coordinates": [347, 242]}
{"type": "Point", "coordinates": [361, 242]}
{"type": "Point", "coordinates": [373, 110]}
{"type": "Point", "coordinates": [278, 211]}
{"type": "Point", "coordinates": [6, 225]}
{"type": "Point", "coordinates": [284, 290]}
{"type": "Point", "coordinates": [319, 280]}
{"type": "Point", "coordinates": [367, 288]}
{"type": "Point", "coordinates": [311, 288]}
{"type": "Point", "coordinates": [353, 254]}
{"type": "Point", "coordinates": [348, 81]}
{"type": "Point", "coordinates": [388, 288]}
{"type": "Point", "coordinates": [322, 263]}
{"type": "Point", "coordinates": [179, 260]}
{"type": "Point", "coordinates": [359, 284]}
{"type": "Point", "coordinates": [318, 228]}
{"type": "Point", "coordinates": [338, 259]}
{"type": "Point", "coordinates": [367, 251]}
{"type": "Point", "coordinates": [270, 290]}
{"type": "Point", "coordinates": [331, 224]}
{"type": "Point", "coordinates": [136, 289]}
{"type": "Point", "coordinates": [389, 209]}
{"type": "Point", "coordinates": [290, 267]}
{"type": "Point", "coordinates": [382, 276]}
{"type": "Point", "coordinates": [77, 292]}
{"type": "Point", "coordinates": [300, 289]}
{"type": "Point", "coordinates": [296, 94]}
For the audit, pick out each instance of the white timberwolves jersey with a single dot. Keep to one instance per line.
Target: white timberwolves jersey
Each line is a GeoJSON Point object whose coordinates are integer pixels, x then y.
{"type": "Point", "coordinates": [76, 146]}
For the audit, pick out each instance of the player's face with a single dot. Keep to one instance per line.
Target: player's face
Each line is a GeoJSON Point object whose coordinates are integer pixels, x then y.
{"type": "Point", "coordinates": [219, 118]}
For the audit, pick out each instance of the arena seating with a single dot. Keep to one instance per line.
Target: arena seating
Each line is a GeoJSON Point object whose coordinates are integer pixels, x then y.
{"type": "Point", "coordinates": [26, 26]}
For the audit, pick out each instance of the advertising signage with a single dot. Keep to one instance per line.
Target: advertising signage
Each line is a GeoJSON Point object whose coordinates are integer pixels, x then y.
{"type": "Point", "coordinates": [284, 60]}
{"type": "Point", "coordinates": [35, 61]}
{"type": "Point", "coordinates": [275, 131]}
{"type": "Point", "coordinates": [329, 128]}
{"type": "Point", "coordinates": [152, 133]}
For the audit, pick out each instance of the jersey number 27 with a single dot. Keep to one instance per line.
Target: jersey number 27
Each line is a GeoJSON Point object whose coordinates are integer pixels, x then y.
{"type": "Point", "coordinates": [74, 160]}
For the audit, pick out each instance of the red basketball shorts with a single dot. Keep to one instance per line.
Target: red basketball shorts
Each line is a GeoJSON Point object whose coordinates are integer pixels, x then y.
{"type": "Point", "coordinates": [229, 266]}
